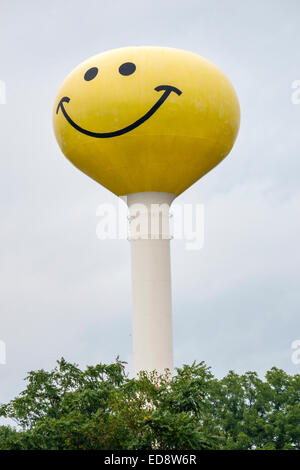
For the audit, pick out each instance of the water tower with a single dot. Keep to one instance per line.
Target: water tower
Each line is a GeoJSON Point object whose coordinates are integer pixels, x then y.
{"type": "Point", "coordinates": [147, 123]}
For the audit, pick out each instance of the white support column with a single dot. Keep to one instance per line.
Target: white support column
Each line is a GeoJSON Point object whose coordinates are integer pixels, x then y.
{"type": "Point", "coordinates": [151, 280]}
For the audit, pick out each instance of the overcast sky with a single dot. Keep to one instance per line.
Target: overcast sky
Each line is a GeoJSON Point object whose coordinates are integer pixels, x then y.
{"type": "Point", "coordinates": [65, 293]}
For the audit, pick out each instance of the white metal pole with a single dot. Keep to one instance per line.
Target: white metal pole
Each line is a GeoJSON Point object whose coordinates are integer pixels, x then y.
{"type": "Point", "coordinates": [149, 229]}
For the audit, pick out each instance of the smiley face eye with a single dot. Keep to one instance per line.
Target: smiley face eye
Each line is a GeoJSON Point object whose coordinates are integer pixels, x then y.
{"type": "Point", "coordinates": [127, 69]}
{"type": "Point", "coordinates": [91, 73]}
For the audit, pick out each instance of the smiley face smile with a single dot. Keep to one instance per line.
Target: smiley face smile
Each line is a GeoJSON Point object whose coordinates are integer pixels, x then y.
{"type": "Point", "coordinates": [102, 135]}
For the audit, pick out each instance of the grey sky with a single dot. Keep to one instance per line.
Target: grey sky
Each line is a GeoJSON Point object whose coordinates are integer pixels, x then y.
{"type": "Point", "coordinates": [65, 293]}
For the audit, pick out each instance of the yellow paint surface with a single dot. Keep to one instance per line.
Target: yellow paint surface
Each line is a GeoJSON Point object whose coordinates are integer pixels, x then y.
{"type": "Point", "coordinates": [186, 136]}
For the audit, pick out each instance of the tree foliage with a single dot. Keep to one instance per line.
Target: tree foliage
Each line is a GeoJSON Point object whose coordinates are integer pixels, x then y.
{"type": "Point", "coordinates": [101, 408]}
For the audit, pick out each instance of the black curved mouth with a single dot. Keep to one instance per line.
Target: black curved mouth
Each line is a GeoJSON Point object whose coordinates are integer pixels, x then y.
{"type": "Point", "coordinates": [101, 135]}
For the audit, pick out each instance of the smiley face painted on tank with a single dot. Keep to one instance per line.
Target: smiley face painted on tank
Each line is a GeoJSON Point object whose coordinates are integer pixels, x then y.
{"type": "Point", "coordinates": [146, 118]}
{"type": "Point", "coordinates": [126, 69]}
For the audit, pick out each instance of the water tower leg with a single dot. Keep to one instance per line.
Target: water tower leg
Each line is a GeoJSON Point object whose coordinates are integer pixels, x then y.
{"type": "Point", "coordinates": [151, 281]}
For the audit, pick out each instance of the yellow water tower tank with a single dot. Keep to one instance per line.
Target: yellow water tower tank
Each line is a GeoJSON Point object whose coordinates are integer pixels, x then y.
{"type": "Point", "coordinates": [141, 119]}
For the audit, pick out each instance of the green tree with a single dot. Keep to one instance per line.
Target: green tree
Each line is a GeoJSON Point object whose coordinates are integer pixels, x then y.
{"type": "Point", "coordinates": [101, 408]}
